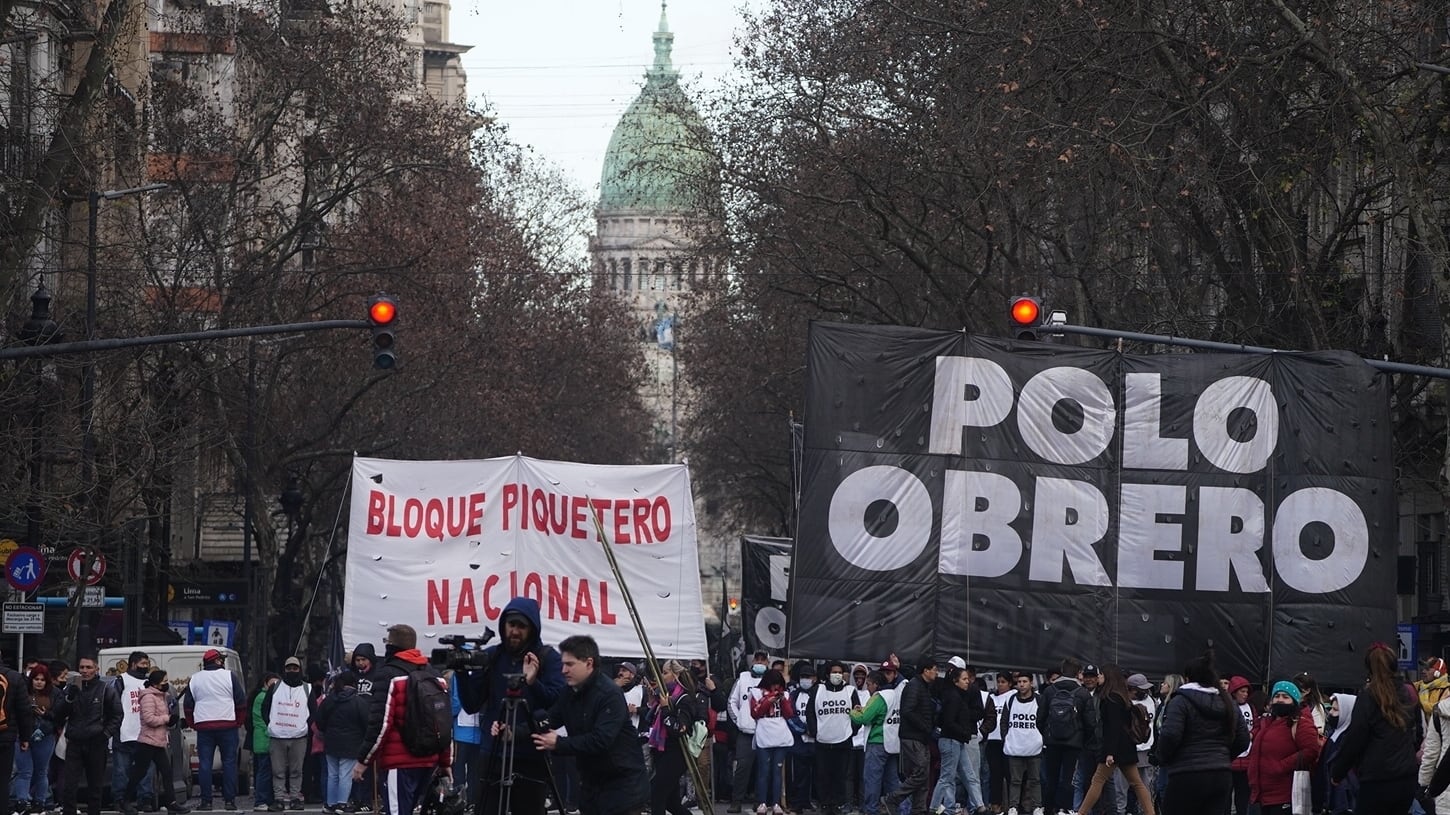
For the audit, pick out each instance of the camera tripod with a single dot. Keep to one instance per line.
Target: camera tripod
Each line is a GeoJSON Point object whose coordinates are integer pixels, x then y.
{"type": "Point", "coordinates": [506, 774]}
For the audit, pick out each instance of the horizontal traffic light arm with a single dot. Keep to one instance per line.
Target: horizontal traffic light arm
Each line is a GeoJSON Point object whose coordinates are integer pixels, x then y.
{"type": "Point", "coordinates": [88, 346]}
{"type": "Point", "coordinates": [1210, 345]}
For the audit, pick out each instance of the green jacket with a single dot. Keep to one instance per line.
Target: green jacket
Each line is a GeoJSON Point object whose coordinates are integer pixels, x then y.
{"type": "Point", "coordinates": [874, 715]}
{"type": "Point", "coordinates": [259, 742]}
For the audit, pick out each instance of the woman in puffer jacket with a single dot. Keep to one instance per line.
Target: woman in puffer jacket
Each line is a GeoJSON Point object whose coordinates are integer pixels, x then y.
{"type": "Point", "coordinates": [151, 747]}
{"type": "Point", "coordinates": [1285, 740]}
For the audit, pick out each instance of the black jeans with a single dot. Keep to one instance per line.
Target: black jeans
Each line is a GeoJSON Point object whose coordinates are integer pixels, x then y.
{"type": "Point", "coordinates": [146, 757]}
{"type": "Point", "coordinates": [82, 756]}
{"type": "Point", "coordinates": [996, 772]}
{"type": "Point", "coordinates": [1059, 762]}
{"type": "Point", "coordinates": [833, 774]}
{"type": "Point", "coordinates": [916, 776]}
{"type": "Point", "coordinates": [1240, 792]}
{"type": "Point", "coordinates": [1199, 793]}
{"type": "Point", "coordinates": [665, 786]}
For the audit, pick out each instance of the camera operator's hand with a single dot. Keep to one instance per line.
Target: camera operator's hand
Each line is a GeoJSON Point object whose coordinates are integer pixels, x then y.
{"type": "Point", "coordinates": [531, 667]}
{"type": "Point", "coordinates": [500, 730]}
{"type": "Point", "coordinates": [546, 741]}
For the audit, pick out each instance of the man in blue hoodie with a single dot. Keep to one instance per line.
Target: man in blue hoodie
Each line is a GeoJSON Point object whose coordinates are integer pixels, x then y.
{"type": "Point", "coordinates": [537, 683]}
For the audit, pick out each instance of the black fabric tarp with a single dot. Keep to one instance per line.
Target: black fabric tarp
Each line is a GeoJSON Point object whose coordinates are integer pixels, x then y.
{"type": "Point", "coordinates": [1015, 503]}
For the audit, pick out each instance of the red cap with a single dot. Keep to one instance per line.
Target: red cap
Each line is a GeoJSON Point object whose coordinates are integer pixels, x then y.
{"type": "Point", "coordinates": [1235, 683]}
{"type": "Point", "coordinates": [889, 665]}
{"type": "Point", "coordinates": [211, 654]}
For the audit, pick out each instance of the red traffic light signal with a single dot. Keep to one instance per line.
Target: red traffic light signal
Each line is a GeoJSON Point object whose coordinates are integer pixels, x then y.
{"type": "Point", "coordinates": [382, 310]}
{"type": "Point", "coordinates": [1025, 316]}
{"type": "Point", "coordinates": [1026, 311]}
{"type": "Point", "coordinates": [383, 313]}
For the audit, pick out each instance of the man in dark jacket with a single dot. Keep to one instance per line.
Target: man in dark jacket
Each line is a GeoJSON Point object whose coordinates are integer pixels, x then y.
{"type": "Point", "coordinates": [1066, 737]}
{"type": "Point", "coordinates": [918, 720]}
{"type": "Point", "coordinates": [1199, 731]}
{"type": "Point", "coordinates": [91, 715]}
{"type": "Point", "coordinates": [364, 666]}
{"type": "Point", "coordinates": [521, 653]}
{"type": "Point", "coordinates": [593, 714]}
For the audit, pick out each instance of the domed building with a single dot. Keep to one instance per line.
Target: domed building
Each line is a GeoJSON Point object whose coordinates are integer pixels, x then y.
{"type": "Point", "coordinates": [659, 211]}
{"type": "Point", "coordinates": [659, 195]}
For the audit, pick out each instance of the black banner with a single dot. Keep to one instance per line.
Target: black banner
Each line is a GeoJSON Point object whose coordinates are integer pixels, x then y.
{"type": "Point", "coordinates": [764, 585]}
{"type": "Point", "coordinates": [1016, 503]}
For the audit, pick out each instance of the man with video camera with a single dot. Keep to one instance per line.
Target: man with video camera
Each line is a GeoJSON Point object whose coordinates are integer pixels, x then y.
{"type": "Point", "coordinates": [514, 679]}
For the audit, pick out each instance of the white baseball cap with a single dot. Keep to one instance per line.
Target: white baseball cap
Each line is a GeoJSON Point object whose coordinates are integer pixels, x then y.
{"type": "Point", "coordinates": [958, 663]}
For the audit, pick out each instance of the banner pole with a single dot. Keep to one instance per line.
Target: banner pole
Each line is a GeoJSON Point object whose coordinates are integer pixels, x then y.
{"type": "Point", "coordinates": [704, 794]}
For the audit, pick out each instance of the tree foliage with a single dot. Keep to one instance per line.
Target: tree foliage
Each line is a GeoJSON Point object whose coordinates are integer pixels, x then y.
{"type": "Point", "coordinates": [1259, 173]}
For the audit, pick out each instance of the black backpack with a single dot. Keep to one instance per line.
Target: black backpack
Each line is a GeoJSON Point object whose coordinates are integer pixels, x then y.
{"type": "Point", "coordinates": [1063, 724]}
{"type": "Point", "coordinates": [428, 719]}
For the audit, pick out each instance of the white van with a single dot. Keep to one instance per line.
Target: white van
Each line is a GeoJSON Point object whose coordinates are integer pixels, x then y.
{"type": "Point", "coordinates": [180, 662]}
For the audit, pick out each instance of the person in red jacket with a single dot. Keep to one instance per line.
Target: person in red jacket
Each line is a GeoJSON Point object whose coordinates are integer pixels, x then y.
{"type": "Point", "coordinates": [1285, 740]}
{"type": "Point", "coordinates": [407, 774]}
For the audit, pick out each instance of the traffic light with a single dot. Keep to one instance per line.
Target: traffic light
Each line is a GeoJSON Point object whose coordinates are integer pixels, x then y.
{"type": "Point", "coordinates": [1025, 316]}
{"type": "Point", "coordinates": [383, 314]}
{"type": "Point", "coordinates": [734, 603]}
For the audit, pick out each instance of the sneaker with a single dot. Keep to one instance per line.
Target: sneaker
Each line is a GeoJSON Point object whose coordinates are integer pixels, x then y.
{"type": "Point", "coordinates": [296, 804]}
{"type": "Point", "coordinates": [259, 808]}
{"type": "Point", "coordinates": [180, 809]}
{"type": "Point", "coordinates": [204, 806]}
{"type": "Point", "coordinates": [231, 806]}
{"type": "Point", "coordinates": [275, 806]}
{"type": "Point", "coordinates": [1012, 811]}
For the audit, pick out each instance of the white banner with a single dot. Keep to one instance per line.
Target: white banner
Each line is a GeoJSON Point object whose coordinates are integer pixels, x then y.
{"type": "Point", "coordinates": [444, 545]}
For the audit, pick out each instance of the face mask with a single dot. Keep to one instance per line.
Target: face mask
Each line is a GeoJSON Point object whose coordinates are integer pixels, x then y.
{"type": "Point", "coordinates": [758, 670]}
{"type": "Point", "coordinates": [1283, 708]}
{"type": "Point", "coordinates": [838, 679]}
{"type": "Point", "coordinates": [165, 687]}
{"type": "Point", "coordinates": [1331, 723]}
{"type": "Point", "coordinates": [807, 683]}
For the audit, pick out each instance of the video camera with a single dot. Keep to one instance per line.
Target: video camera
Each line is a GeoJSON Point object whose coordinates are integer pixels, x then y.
{"type": "Point", "coordinates": [462, 653]}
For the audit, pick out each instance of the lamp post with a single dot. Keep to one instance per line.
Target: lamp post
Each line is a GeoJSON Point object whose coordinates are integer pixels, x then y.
{"type": "Point", "coordinates": [40, 329]}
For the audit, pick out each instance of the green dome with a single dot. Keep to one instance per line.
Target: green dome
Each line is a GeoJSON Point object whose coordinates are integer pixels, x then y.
{"type": "Point", "coordinates": [659, 157]}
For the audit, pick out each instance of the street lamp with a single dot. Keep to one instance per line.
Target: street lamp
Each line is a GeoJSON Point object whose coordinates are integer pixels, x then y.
{"type": "Point", "coordinates": [40, 329]}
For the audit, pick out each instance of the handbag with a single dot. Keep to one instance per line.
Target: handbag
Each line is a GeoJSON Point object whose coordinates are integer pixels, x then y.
{"type": "Point", "coordinates": [1301, 791]}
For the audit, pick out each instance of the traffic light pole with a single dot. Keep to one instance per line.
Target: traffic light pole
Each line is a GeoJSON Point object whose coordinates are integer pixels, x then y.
{"type": "Point", "coordinates": [1050, 328]}
{"type": "Point", "coordinates": [87, 346]}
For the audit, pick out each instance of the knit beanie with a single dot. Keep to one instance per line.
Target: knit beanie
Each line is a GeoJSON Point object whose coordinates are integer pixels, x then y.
{"type": "Point", "coordinates": [1285, 686]}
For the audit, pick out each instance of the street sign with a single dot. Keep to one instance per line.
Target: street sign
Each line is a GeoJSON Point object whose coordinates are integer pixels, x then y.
{"type": "Point", "coordinates": [95, 596]}
{"type": "Point", "coordinates": [23, 618]}
{"type": "Point", "coordinates": [1408, 633]}
{"type": "Point", "coordinates": [76, 561]}
{"type": "Point", "coordinates": [24, 569]}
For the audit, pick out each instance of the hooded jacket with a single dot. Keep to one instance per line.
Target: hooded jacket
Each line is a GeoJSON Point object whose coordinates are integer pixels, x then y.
{"type": "Point", "coordinates": [1376, 749]}
{"type": "Point", "coordinates": [483, 691]}
{"type": "Point", "coordinates": [365, 679]}
{"type": "Point", "coordinates": [388, 716]}
{"type": "Point", "coordinates": [1200, 730]}
{"type": "Point", "coordinates": [343, 719]}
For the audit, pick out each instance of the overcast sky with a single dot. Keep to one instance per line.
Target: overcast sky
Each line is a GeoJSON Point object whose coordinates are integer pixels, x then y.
{"type": "Point", "coordinates": [560, 73]}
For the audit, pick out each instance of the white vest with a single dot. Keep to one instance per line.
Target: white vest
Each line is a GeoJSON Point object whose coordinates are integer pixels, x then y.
{"type": "Point", "coordinates": [740, 702]}
{"type": "Point", "coordinates": [288, 716]}
{"type": "Point", "coordinates": [130, 693]}
{"type": "Point", "coordinates": [1023, 739]}
{"type": "Point", "coordinates": [891, 728]}
{"type": "Point", "coordinates": [998, 700]}
{"type": "Point", "coordinates": [211, 691]}
{"type": "Point", "coordinates": [1148, 704]}
{"type": "Point", "coordinates": [833, 713]}
{"type": "Point", "coordinates": [635, 696]}
{"type": "Point", "coordinates": [1247, 711]}
{"type": "Point", "coordinates": [801, 701]}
